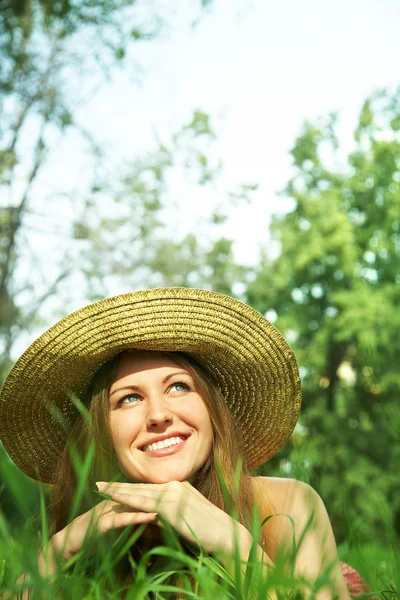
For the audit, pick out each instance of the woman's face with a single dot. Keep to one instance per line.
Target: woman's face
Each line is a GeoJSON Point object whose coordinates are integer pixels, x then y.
{"type": "Point", "coordinates": [160, 426]}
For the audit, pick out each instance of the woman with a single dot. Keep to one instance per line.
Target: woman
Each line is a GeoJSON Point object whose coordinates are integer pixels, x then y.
{"type": "Point", "coordinates": [178, 382]}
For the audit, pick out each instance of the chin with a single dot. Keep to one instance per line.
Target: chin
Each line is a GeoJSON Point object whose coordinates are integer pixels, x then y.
{"type": "Point", "coordinates": [167, 477]}
{"type": "Point", "coordinates": [159, 474]}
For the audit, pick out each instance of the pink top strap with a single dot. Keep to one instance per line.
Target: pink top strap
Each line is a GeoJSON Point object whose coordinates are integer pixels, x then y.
{"type": "Point", "coordinates": [354, 581]}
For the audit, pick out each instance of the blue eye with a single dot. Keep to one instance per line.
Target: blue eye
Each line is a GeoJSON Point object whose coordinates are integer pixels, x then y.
{"type": "Point", "coordinates": [130, 399]}
{"type": "Point", "coordinates": [180, 386]}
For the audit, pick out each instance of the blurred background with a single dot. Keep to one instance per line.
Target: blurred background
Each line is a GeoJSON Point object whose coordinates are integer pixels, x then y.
{"type": "Point", "coordinates": [249, 147]}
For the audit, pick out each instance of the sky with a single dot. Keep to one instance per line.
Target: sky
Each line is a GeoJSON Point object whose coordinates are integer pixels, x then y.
{"type": "Point", "coordinates": [260, 69]}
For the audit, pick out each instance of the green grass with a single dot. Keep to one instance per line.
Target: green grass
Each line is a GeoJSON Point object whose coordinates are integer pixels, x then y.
{"type": "Point", "coordinates": [378, 565]}
{"type": "Point", "coordinates": [176, 567]}
{"type": "Point", "coordinates": [93, 577]}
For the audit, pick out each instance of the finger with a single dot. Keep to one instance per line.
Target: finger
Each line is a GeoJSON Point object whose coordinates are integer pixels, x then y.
{"type": "Point", "coordinates": [107, 507]}
{"type": "Point", "coordinates": [153, 497]}
{"type": "Point", "coordinates": [109, 521]}
{"type": "Point", "coordinates": [140, 500]}
{"type": "Point", "coordinates": [157, 490]}
{"type": "Point", "coordinates": [119, 508]}
{"type": "Point", "coordinates": [153, 488]}
{"type": "Point", "coordinates": [103, 507]}
{"type": "Point", "coordinates": [106, 487]}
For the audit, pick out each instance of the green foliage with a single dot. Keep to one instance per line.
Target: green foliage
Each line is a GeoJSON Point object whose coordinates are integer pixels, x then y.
{"type": "Point", "coordinates": [124, 237]}
{"type": "Point", "coordinates": [166, 565]}
{"type": "Point", "coordinates": [19, 495]}
{"type": "Point", "coordinates": [335, 287]}
{"type": "Point", "coordinates": [47, 52]}
{"type": "Point", "coordinates": [36, 103]}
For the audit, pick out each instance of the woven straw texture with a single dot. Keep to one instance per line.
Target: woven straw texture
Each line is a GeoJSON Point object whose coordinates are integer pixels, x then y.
{"type": "Point", "coordinates": [246, 356]}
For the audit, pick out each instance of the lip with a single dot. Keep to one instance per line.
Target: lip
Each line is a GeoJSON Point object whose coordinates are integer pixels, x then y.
{"type": "Point", "coordinates": [164, 436]}
{"type": "Point", "coordinates": [167, 451]}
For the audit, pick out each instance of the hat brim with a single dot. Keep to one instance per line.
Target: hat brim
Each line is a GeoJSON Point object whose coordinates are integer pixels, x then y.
{"type": "Point", "coordinates": [247, 357]}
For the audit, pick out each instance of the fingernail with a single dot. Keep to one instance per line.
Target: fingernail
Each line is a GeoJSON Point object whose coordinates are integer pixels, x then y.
{"type": "Point", "coordinates": [100, 484]}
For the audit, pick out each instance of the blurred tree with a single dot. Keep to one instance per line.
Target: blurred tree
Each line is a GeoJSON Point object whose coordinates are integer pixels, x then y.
{"type": "Point", "coordinates": [125, 235]}
{"type": "Point", "coordinates": [111, 229]}
{"type": "Point", "coordinates": [52, 56]}
{"type": "Point", "coordinates": [120, 238]}
{"type": "Point", "coordinates": [334, 291]}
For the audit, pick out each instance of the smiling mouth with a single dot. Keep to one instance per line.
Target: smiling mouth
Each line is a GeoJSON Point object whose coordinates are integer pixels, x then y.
{"type": "Point", "coordinates": [166, 446]}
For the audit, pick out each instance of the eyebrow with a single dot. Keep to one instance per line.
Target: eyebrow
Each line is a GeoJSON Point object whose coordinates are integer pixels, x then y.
{"type": "Point", "coordinates": [138, 387]}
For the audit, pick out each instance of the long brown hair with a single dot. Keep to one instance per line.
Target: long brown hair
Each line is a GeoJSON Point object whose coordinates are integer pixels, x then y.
{"type": "Point", "coordinates": [234, 494]}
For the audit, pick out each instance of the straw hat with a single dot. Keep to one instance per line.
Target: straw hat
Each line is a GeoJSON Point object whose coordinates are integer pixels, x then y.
{"type": "Point", "coordinates": [246, 356]}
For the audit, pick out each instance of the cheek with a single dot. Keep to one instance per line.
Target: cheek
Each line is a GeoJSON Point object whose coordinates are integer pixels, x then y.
{"type": "Point", "coordinates": [123, 430]}
{"type": "Point", "coordinates": [113, 431]}
{"type": "Point", "coordinates": [200, 418]}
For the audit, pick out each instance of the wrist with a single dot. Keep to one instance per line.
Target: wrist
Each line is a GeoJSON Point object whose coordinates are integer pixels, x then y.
{"type": "Point", "coordinates": [46, 561]}
{"type": "Point", "coordinates": [239, 541]}
{"type": "Point", "coordinates": [52, 554]}
{"type": "Point", "coordinates": [246, 544]}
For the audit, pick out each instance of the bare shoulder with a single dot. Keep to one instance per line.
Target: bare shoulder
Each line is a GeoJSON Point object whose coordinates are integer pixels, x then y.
{"type": "Point", "coordinates": [287, 495]}
{"type": "Point", "coordinates": [294, 503]}
{"type": "Point", "coordinates": [301, 522]}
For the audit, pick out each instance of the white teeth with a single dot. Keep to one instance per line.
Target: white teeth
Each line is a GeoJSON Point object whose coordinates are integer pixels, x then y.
{"type": "Point", "coordinates": [163, 444]}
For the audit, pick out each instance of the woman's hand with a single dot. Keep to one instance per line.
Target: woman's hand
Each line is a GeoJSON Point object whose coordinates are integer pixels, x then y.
{"type": "Point", "coordinates": [105, 516]}
{"type": "Point", "coordinates": [67, 542]}
{"type": "Point", "coordinates": [186, 510]}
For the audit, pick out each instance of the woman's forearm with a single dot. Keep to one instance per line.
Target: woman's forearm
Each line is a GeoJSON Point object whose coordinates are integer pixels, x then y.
{"type": "Point", "coordinates": [48, 562]}
{"type": "Point", "coordinates": [242, 548]}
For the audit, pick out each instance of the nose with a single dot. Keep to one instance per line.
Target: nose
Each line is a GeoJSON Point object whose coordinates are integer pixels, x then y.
{"type": "Point", "coordinates": [158, 413]}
